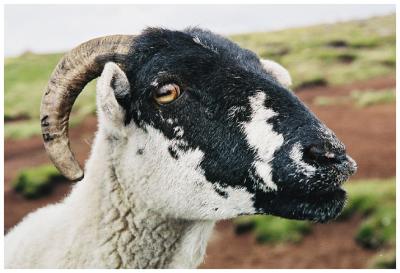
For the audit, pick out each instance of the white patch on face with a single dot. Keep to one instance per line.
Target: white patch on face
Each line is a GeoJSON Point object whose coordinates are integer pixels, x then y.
{"type": "Point", "coordinates": [176, 187]}
{"type": "Point", "coordinates": [296, 155]}
{"type": "Point", "coordinates": [175, 145]}
{"type": "Point", "coordinates": [262, 138]}
{"type": "Point", "coordinates": [178, 131]}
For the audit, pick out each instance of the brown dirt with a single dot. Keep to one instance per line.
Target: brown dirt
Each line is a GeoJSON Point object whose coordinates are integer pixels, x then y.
{"type": "Point", "coordinates": [328, 246]}
{"type": "Point", "coordinates": [30, 153]}
{"type": "Point", "coordinates": [368, 133]}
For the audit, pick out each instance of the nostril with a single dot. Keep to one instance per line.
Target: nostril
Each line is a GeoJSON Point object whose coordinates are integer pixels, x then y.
{"type": "Point", "coordinates": [318, 154]}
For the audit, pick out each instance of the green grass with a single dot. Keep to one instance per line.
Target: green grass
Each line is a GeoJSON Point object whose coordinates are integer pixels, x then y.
{"type": "Point", "coordinates": [34, 182]}
{"type": "Point", "coordinates": [311, 54]}
{"type": "Point", "coordinates": [378, 229]}
{"type": "Point", "coordinates": [376, 201]}
{"type": "Point", "coordinates": [364, 49]}
{"type": "Point", "coordinates": [270, 229]}
{"type": "Point", "coordinates": [359, 98]}
{"type": "Point", "coordinates": [384, 260]}
{"type": "Point", "coordinates": [22, 130]}
{"type": "Point", "coordinates": [31, 127]}
{"type": "Point", "coordinates": [368, 98]}
{"type": "Point", "coordinates": [328, 101]}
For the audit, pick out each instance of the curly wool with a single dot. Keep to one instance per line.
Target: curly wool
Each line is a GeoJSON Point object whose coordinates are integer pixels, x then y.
{"type": "Point", "coordinates": [97, 227]}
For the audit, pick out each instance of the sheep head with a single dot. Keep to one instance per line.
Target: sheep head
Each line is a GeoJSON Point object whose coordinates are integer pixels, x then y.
{"type": "Point", "coordinates": [204, 129]}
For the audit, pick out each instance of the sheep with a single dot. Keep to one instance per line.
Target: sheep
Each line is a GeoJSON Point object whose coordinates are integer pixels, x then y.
{"type": "Point", "coordinates": [192, 129]}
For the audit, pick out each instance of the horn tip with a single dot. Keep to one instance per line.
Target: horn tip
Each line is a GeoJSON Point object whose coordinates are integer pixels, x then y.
{"type": "Point", "coordinates": [75, 177]}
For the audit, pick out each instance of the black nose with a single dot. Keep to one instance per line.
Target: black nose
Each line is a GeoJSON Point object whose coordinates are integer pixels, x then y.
{"type": "Point", "coordinates": [320, 155]}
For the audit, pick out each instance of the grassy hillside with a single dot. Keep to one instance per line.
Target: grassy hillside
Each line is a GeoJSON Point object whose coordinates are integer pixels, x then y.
{"type": "Point", "coordinates": [324, 54]}
{"type": "Point", "coordinates": [332, 54]}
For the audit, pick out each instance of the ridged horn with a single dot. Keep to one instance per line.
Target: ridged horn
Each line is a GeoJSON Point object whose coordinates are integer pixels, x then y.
{"type": "Point", "coordinates": [78, 67]}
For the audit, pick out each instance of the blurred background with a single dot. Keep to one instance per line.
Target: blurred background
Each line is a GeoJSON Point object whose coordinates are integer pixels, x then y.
{"type": "Point", "coordinates": [342, 59]}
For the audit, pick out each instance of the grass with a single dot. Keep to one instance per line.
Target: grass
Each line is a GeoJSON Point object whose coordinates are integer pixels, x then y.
{"type": "Point", "coordinates": [368, 98]}
{"type": "Point", "coordinates": [270, 229]}
{"type": "Point", "coordinates": [373, 199]}
{"type": "Point", "coordinates": [31, 127]}
{"type": "Point", "coordinates": [34, 182]}
{"type": "Point", "coordinates": [328, 101]}
{"type": "Point", "coordinates": [359, 98]}
{"type": "Point", "coordinates": [317, 55]}
{"type": "Point", "coordinates": [22, 129]}
{"type": "Point", "coordinates": [379, 229]}
{"type": "Point", "coordinates": [338, 53]}
{"type": "Point", "coordinates": [376, 201]}
{"type": "Point", "coordinates": [384, 260]}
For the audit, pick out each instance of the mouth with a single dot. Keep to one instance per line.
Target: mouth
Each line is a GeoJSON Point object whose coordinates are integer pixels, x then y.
{"type": "Point", "coordinates": [317, 207]}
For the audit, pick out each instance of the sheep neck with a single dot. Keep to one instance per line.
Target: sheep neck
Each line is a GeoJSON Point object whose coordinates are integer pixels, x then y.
{"type": "Point", "coordinates": [133, 236]}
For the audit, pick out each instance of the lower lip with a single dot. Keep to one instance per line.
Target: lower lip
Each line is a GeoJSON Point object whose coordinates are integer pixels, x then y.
{"type": "Point", "coordinates": [318, 207]}
{"type": "Point", "coordinates": [335, 194]}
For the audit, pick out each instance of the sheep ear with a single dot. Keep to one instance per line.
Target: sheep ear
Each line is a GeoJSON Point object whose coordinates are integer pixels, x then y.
{"type": "Point", "coordinates": [112, 87]}
{"type": "Point", "coordinates": [278, 72]}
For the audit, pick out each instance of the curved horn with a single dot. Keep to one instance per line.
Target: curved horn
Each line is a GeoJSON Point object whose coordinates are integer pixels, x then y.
{"type": "Point", "coordinates": [78, 67]}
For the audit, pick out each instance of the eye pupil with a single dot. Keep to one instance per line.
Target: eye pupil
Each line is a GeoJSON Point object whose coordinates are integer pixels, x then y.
{"type": "Point", "coordinates": [166, 93]}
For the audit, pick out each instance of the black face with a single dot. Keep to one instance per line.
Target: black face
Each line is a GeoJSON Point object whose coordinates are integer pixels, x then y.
{"type": "Point", "coordinates": [253, 132]}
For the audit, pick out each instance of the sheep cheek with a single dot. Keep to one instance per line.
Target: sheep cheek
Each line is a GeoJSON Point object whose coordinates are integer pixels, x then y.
{"type": "Point", "coordinates": [176, 187]}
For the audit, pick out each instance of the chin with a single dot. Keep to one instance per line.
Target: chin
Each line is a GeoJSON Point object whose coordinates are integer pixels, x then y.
{"type": "Point", "coordinates": [317, 207]}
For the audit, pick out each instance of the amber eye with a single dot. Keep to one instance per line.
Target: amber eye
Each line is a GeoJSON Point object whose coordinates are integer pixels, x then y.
{"type": "Point", "coordinates": [166, 93]}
